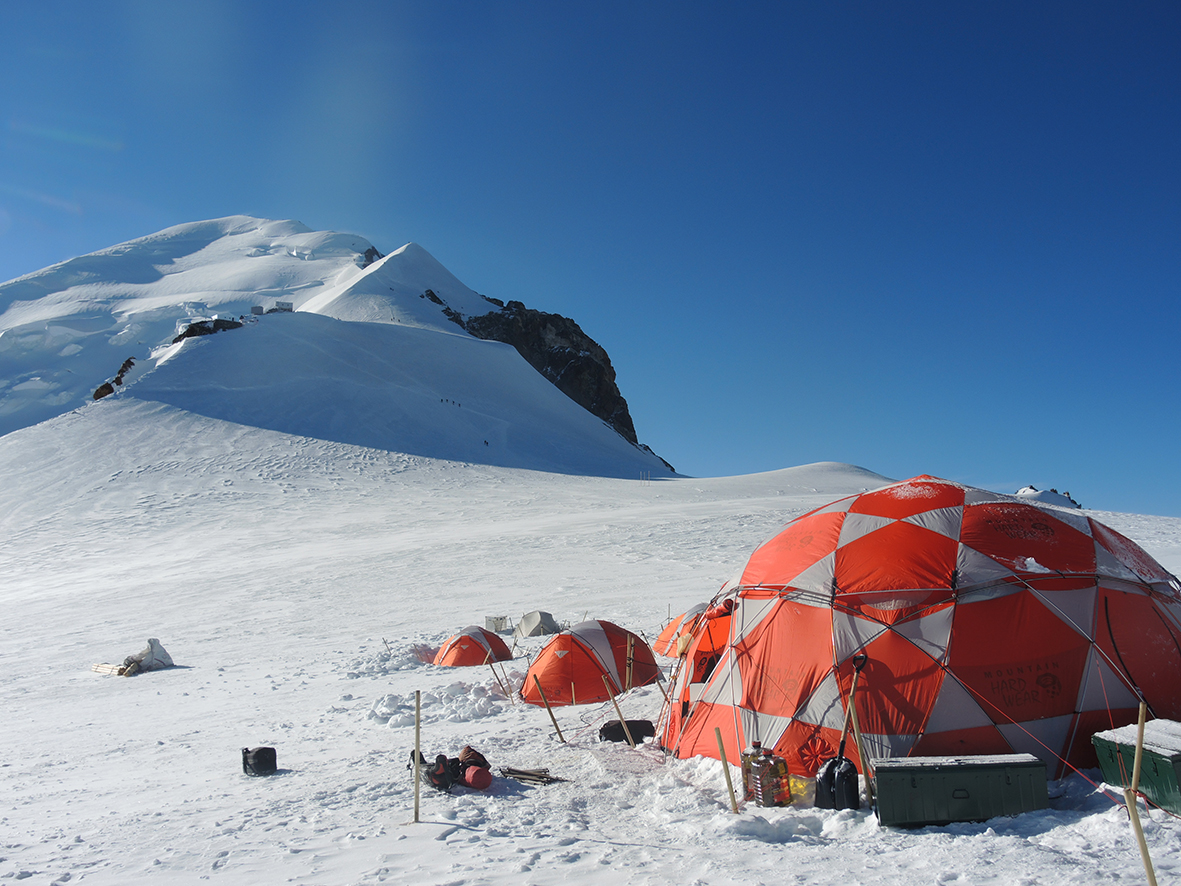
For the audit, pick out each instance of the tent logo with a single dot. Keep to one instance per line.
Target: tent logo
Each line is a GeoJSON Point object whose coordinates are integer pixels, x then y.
{"type": "Point", "coordinates": [561, 653]}
{"type": "Point", "coordinates": [1050, 684]}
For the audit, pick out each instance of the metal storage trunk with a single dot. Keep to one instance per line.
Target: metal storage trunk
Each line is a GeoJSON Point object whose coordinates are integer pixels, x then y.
{"type": "Point", "coordinates": [1160, 767]}
{"type": "Point", "coordinates": [917, 791]}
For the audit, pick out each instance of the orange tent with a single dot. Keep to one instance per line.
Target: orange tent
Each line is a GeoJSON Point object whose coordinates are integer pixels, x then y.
{"type": "Point", "coordinates": [571, 666]}
{"type": "Point", "coordinates": [666, 644]}
{"type": "Point", "coordinates": [991, 625]}
{"type": "Point", "coordinates": [473, 646]}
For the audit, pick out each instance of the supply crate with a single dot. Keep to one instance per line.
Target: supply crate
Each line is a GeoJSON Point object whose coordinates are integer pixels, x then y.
{"type": "Point", "coordinates": [1160, 766]}
{"type": "Point", "coordinates": [918, 791]}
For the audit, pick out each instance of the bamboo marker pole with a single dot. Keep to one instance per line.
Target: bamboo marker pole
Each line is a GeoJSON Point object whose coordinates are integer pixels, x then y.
{"type": "Point", "coordinates": [726, 770]}
{"type": "Point", "coordinates": [548, 709]}
{"type": "Point", "coordinates": [1130, 797]}
{"type": "Point", "coordinates": [631, 657]}
{"type": "Point", "coordinates": [417, 749]}
{"type": "Point", "coordinates": [631, 741]}
{"type": "Point", "coordinates": [500, 683]}
{"type": "Point", "coordinates": [861, 752]}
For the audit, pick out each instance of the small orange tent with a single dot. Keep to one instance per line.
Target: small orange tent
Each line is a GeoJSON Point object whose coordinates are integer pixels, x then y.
{"type": "Point", "coordinates": [471, 647]}
{"type": "Point", "coordinates": [666, 644]}
{"type": "Point", "coordinates": [571, 666]}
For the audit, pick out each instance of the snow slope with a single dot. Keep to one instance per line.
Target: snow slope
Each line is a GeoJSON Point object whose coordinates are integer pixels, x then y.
{"type": "Point", "coordinates": [368, 358]}
{"type": "Point", "coordinates": [290, 577]}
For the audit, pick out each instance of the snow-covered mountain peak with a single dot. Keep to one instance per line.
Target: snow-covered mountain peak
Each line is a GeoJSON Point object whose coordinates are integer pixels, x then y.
{"type": "Point", "coordinates": [389, 373]}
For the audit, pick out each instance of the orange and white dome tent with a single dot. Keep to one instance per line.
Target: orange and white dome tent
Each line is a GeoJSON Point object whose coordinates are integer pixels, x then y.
{"type": "Point", "coordinates": [471, 647]}
{"type": "Point", "coordinates": [990, 626]}
{"type": "Point", "coordinates": [571, 666]}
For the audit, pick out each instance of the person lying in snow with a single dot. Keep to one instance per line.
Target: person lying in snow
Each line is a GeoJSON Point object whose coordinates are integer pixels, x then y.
{"type": "Point", "coordinates": [470, 769]}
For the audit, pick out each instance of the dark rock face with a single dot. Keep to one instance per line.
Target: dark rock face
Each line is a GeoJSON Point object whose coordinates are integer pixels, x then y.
{"type": "Point", "coordinates": [207, 327]}
{"type": "Point", "coordinates": [557, 348]}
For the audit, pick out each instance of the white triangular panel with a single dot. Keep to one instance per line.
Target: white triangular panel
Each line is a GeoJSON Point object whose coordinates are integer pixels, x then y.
{"type": "Point", "coordinates": [1108, 565]}
{"type": "Point", "coordinates": [817, 577]}
{"type": "Point", "coordinates": [931, 633]}
{"type": "Point", "coordinates": [1072, 518]}
{"type": "Point", "coordinates": [887, 747]}
{"type": "Point", "coordinates": [857, 526]}
{"type": "Point", "coordinates": [725, 683]}
{"type": "Point", "coordinates": [592, 634]}
{"type": "Point", "coordinates": [1042, 738]}
{"type": "Point", "coordinates": [852, 632]}
{"type": "Point", "coordinates": [975, 568]}
{"type": "Point", "coordinates": [749, 614]}
{"type": "Point", "coordinates": [1076, 608]}
{"type": "Point", "coordinates": [945, 521]}
{"type": "Point", "coordinates": [837, 507]}
{"type": "Point", "coordinates": [824, 707]}
{"type": "Point", "coordinates": [973, 496]}
{"type": "Point", "coordinates": [766, 728]}
{"type": "Point", "coordinates": [955, 708]}
{"type": "Point", "coordinates": [1102, 689]}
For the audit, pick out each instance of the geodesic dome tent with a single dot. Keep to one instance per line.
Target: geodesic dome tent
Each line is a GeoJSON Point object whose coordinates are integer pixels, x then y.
{"type": "Point", "coordinates": [990, 625]}
{"type": "Point", "coordinates": [571, 666]}
{"type": "Point", "coordinates": [471, 647]}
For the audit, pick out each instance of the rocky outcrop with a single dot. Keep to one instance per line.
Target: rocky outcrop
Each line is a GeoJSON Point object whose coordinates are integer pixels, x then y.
{"type": "Point", "coordinates": [207, 327]}
{"type": "Point", "coordinates": [557, 348]}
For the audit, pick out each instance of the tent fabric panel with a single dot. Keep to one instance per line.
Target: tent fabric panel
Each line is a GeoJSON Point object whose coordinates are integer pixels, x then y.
{"type": "Point", "coordinates": [1108, 565]}
{"type": "Point", "coordinates": [899, 556]}
{"type": "Point", "coordinates": [593, 634]}
{"type": "Point", "coordinates": [860, 525]}
{"type": "Point", "coordinates": [910, 497]}
{"type": "Point", "coordinates": [956, 742]}
{"type": "Point", "coordinates": [975, 568]}
{"type": "Point", "coordinates": [764, 728]}
{"type": "Point", "coordinates": [818, 579]}
{"type": "Point", "coordinates": [945, 521]}
{"type": "Point", "coordinates": [1129, 553]}
{"type": "Point", "coordinates": [851, 632]}
{"type": "Point", "coordinates": [930, 632]}
{"type": "Point", "coordinates": [1027, 539]}
{"type": "Point", "coordinates": [897, 688]}
{"type": "Point", "coordinates": [1140, 641]}
{"type": "Point", "coordinates": [883, 747]}
{"type": "Point", "coordinates": [784, 657]}
{"type": "Point", "coordinates": [1045, 739]}
{"type": "Point", "coordinates": [1103, 689]}
{"type": "Point", "coordinates": [824, 705]}
{"type": "Point", "coordinates": [1075, 607]}
{"type": "Point", "coordinates": [799, 545]}
{"type": "Point", "coordinates": [955, 709]}
{"type": "Point", "coordinates": [1017, 657]}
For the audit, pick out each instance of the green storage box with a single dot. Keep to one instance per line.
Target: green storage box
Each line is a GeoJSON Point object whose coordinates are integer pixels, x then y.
{"type": "Point", "coordinates": [1160, 766]}
{"type": "Point", "coordinates": [918, 791]}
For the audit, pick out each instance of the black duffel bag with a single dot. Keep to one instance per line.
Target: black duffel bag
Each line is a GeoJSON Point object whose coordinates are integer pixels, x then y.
{"type": "Point", "coordinates": [612, 730]}
{"type": "Point", "coordinates": [259, 761]}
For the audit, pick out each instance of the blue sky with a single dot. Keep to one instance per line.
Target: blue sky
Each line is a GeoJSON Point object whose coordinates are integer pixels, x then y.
{"type": "Point", "coordinates": [934, 238]}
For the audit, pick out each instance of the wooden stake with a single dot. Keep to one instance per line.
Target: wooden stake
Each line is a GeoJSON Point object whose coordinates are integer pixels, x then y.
{"type": "Point", "coordinates": [416, 768]}
{"type": "Point", "coordinates": [726, 770]}
{"type": "Point", "coordinates": [861, 751]}
{"type": "Point", "coordinates": [550, 710]}
{"type": "Point", "coordinates": [631, 657]}
{"type": "Point", "coordinates": [631, 741]}
{"type": "Point", "coordinates": [573, 694]}
{"type": "Point", "coordinates": [1130, 798]}
{"type": "Point", "coordinates": [500, 683]}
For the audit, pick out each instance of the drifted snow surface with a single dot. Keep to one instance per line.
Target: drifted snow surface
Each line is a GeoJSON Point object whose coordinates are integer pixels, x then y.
{"type": "Point", "coordinates": [290, 577]}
